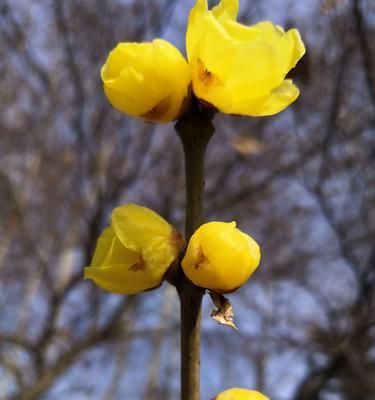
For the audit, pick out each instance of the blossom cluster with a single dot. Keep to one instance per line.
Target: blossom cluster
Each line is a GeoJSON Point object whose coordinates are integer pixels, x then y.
{"type": "Point", "coordinates": [136, 251]}
{"type": "Point", "coordinates": [235, 68]}
{"type": "Point", "coordinates": [230, 67]}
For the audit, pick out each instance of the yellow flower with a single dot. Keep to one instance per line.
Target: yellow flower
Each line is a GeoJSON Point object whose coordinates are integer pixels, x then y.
{"type": "Point", "coordinates": [133, 254]}
{"type": "Point", "coordinates": [147, 80]}
{"type": "Point", "coordinates": [240, 394]}
{"type": "Point", "coordinates": [220, 257]}
{"type": "Point", "coordinates": [241, 69]}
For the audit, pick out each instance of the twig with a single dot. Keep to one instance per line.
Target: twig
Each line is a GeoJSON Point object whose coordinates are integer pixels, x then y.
{"type": "Point", "coordinates": [195, 130]}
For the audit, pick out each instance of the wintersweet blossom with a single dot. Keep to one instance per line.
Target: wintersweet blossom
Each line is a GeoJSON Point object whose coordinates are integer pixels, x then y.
{"type": "Point", "coordinates": [147, 80]}
{"type": "Point", "coordinates": [241, 69]}
{"type": "Point", "coordinates": [220, 257]}
{"type": "Point", "coordinates": [133, 254]}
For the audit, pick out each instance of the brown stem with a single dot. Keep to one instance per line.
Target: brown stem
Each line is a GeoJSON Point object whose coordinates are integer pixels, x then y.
{"type": "Point", "coordinates": [195, 130]}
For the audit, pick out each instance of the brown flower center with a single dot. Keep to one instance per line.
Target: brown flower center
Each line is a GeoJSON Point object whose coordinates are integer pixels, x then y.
{"type": "Point", "coordinates": [158, 111]}
{"type": "Point", "coordinates": [140, 265]}
{"type": "Point", "coordinates": [207, 78]}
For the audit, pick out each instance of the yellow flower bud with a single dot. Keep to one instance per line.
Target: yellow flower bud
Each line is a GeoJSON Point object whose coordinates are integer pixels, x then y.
{"type": "Point", "coordinates": [133, 254]}
{"type": "Point", "coordinates": [241, 69]}
{"type": "Point", "coordinates": [220, 257]}
{"type": "Point", "coordinates": [147, 80]}
{"type": "Point", "coordinates": [240, 394]}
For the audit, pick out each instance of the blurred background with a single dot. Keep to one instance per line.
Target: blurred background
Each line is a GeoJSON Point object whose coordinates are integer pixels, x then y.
{"type": "Point", "coordinates": [302, 183]}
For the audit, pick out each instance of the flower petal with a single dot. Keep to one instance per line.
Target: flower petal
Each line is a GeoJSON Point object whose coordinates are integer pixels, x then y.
{"type": "Point", "coordinates": [124, 102]}
{"type": "Point", "coordinates": [240, 32]}
{"type": "Point", "coordinates": [118, 269]}
{"type": "Point", "coordinates": [257, 70]}
{"type": "Point", "coordinates": [276, 101]}
{"type": "Point", "coordinates": [226, 9]}
{"type": "Point", "coordinates": [103, 246]}
{"type": "Point", "coordinates": [195, 27]}
{"type": "Point", "coordinates": [119, 254]}
{"type": "Point", "coordinates": [298, 48]}
{"type": "Point", "coordinates": [136, 226]}
{"type": "Point", "coordinates": [289, 45]}
{"type": "Point", "coordinates": [119, 279]}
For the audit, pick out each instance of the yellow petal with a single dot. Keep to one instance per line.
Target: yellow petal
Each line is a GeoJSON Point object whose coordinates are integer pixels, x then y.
{"type": "Point", "coordinates": [119, 279]}
{"type": "Point", "coordinates": [257, 70]}
{"type": "Point", "coordinates": [240, 32]}
{"type": "Point", "coordinates": [103, 247]}
{"type": "Point", "coordinates": [147, 233]}
{"type": "Point", "coordinates": [298, 48]}
{"type": "Point", "coordinates": [208, 86]}
{"type": "Point", "coordinates": [226, 9]}
{"type": "Point", "coordinates": [216, 48]}
{"type": "Point", "coordinates": [195, 27]}
{"type": "Point", "coordinates": [123, 54]}
{"type": "Point", "coordinates": [119, 254]}
{"type": "Point", "coordinates": [118, 269]}
{"type": "Point", "coordinates": [131, 84]}
{"type": "Point", "coordinates": [200, 7]}
{"type": "Point", "coordinates": [220, 257]}
{"type": "Point", "coordinates": [276, 101]}
{"type": "Point", "coordinates": [123, 101]}
{"type": "Point", "coordinates": [135, 225]}
{"type": "Point", "coordinates": [252, 67]}
{"type": "Point", "coordinates": [230, 83]}
{"type": "Point", "coordinates": [240, 394]}
{"type": "Point", "coordinates": [289, 45]}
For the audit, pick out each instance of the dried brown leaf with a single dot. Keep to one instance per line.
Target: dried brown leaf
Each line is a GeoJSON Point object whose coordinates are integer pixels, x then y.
{"type": "Point", "coordinates": [224, 313]}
